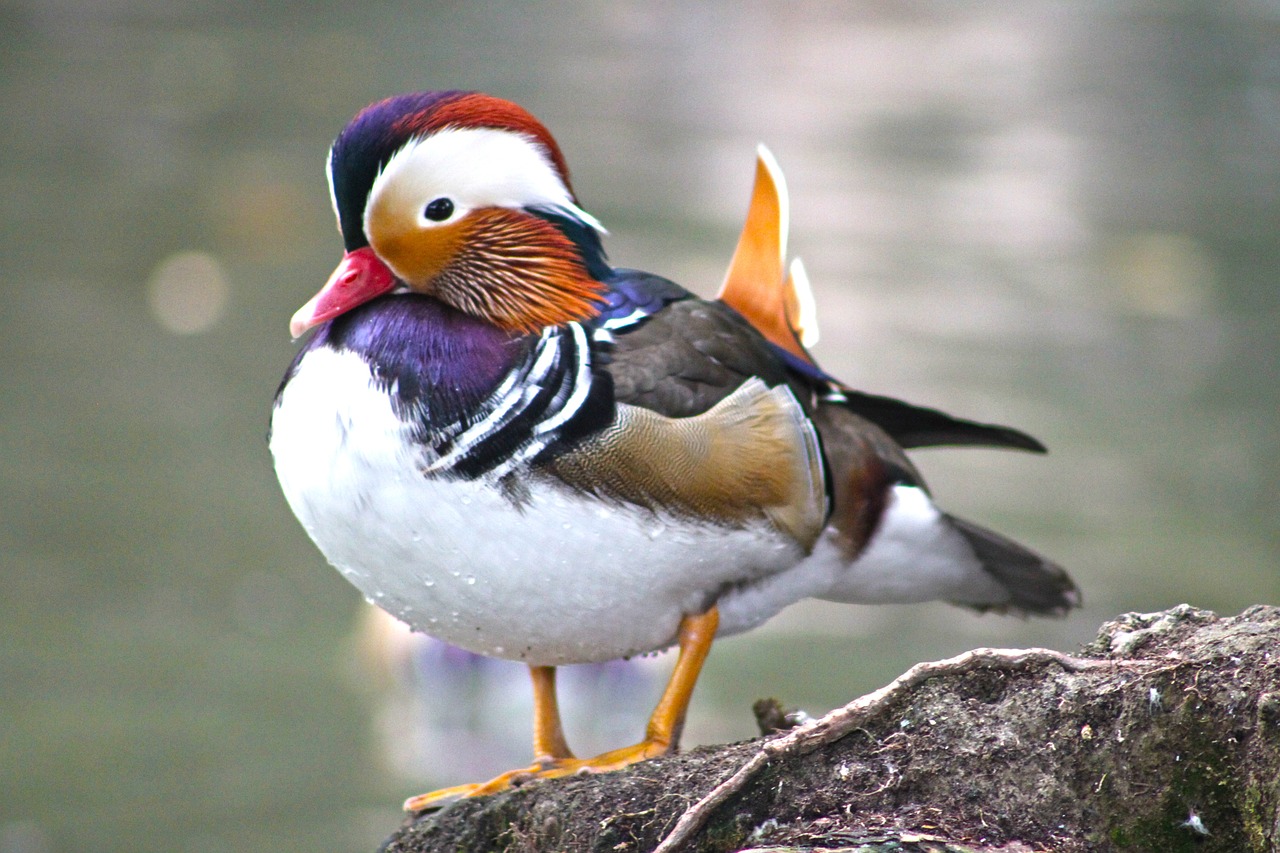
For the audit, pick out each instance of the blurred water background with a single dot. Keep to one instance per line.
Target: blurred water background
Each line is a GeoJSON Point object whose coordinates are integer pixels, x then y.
{"type": "Point", "coordinates": [1062, 216]}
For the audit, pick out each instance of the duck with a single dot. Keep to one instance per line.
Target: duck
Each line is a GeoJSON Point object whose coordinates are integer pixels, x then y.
{"type": "Point", "coordinates": [513, 446]}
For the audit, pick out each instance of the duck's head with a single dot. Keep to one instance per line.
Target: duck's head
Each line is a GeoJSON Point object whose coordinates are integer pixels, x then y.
{"type": "Point", "coordinates": [463, 197]}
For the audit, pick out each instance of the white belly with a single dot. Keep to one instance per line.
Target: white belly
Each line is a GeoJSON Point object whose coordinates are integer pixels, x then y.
{"type": "Point", "coordinates": [565, 578]}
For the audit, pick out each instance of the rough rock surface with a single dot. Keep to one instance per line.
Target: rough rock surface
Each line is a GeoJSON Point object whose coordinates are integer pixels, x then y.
{"type": "Point", "coordinates": [1163, 735]}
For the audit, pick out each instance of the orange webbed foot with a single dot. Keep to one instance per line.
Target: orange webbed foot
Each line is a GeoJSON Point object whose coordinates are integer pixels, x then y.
{"type": "Point", "coordinates": [502, 782]}
{"type": "Point", "coordinates": [551, 769]}
{"type": "Point", "coordinates": [555, 761]}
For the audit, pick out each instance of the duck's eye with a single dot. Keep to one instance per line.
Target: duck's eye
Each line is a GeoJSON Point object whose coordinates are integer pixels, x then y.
{"type": "Point", "coordinates": [438, 210]}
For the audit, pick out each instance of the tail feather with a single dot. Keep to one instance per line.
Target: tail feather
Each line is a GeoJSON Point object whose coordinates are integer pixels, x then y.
{"type": "Point", "coordinates": [1035, 584]}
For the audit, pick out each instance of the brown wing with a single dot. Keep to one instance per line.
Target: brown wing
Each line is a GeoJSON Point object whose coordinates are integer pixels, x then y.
{"type": "Point", "coordinates": [689, 356]}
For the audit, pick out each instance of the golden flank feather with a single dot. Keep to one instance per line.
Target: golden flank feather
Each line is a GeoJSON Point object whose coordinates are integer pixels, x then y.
{"type": "Point", "coordinates": [752, 457]}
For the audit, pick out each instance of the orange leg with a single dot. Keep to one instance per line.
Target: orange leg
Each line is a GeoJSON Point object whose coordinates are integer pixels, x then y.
{"type": "Point", "coordinates": [548, 735]}
{"type": "Point", "coordinates": [662, 735]}
{"type": "Point", "coordinates": [553, 758]}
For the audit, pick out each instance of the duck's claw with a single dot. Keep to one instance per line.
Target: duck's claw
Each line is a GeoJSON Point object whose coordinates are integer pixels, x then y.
{"type": "Point", "coordinates": [444, 796]}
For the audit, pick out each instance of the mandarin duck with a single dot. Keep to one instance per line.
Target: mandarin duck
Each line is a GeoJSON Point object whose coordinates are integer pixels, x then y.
{"type": "Point", "coordinates": [515, 447]}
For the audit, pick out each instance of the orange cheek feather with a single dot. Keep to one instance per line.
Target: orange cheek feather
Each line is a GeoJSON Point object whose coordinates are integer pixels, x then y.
{"type": "Point", "coordinates": [504, 266]}
{"type": "Point", "coordinates": [416, 254]}
{"type": "Point", "coordinates": [519, 272]}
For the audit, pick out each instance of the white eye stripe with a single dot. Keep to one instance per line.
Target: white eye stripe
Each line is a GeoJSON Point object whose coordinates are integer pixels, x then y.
{"type": "Point", "coordinates": [333, 193]}
{"type": "Point", "coordinates": [474, 167]}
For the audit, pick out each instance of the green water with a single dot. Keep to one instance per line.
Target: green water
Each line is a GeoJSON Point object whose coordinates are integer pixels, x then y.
{"type": "Point", "coordinates": [1061, 216]}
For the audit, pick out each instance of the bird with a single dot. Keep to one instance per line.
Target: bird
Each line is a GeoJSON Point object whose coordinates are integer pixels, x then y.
{"type": "Point", "coordinates": [512, 445]}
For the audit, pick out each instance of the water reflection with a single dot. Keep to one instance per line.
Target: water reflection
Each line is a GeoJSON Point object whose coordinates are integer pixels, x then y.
{"type": "Point", "coordinates": [1065, 219]}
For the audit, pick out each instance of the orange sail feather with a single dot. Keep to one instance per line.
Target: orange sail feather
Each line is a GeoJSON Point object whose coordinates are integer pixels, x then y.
{"type": "Point", "coordinates": [780, 307]}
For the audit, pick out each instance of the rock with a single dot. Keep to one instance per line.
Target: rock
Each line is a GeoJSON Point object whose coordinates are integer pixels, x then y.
{"type": "Point", "coordinates": [1163, 735]}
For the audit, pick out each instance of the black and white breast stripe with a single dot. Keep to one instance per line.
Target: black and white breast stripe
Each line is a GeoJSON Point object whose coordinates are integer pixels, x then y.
{"type": "Point", "coordinates": [553, 397]}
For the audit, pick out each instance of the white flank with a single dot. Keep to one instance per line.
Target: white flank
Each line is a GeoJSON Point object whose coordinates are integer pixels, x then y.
{"type": "Point", "coordinates": [914, 555]}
